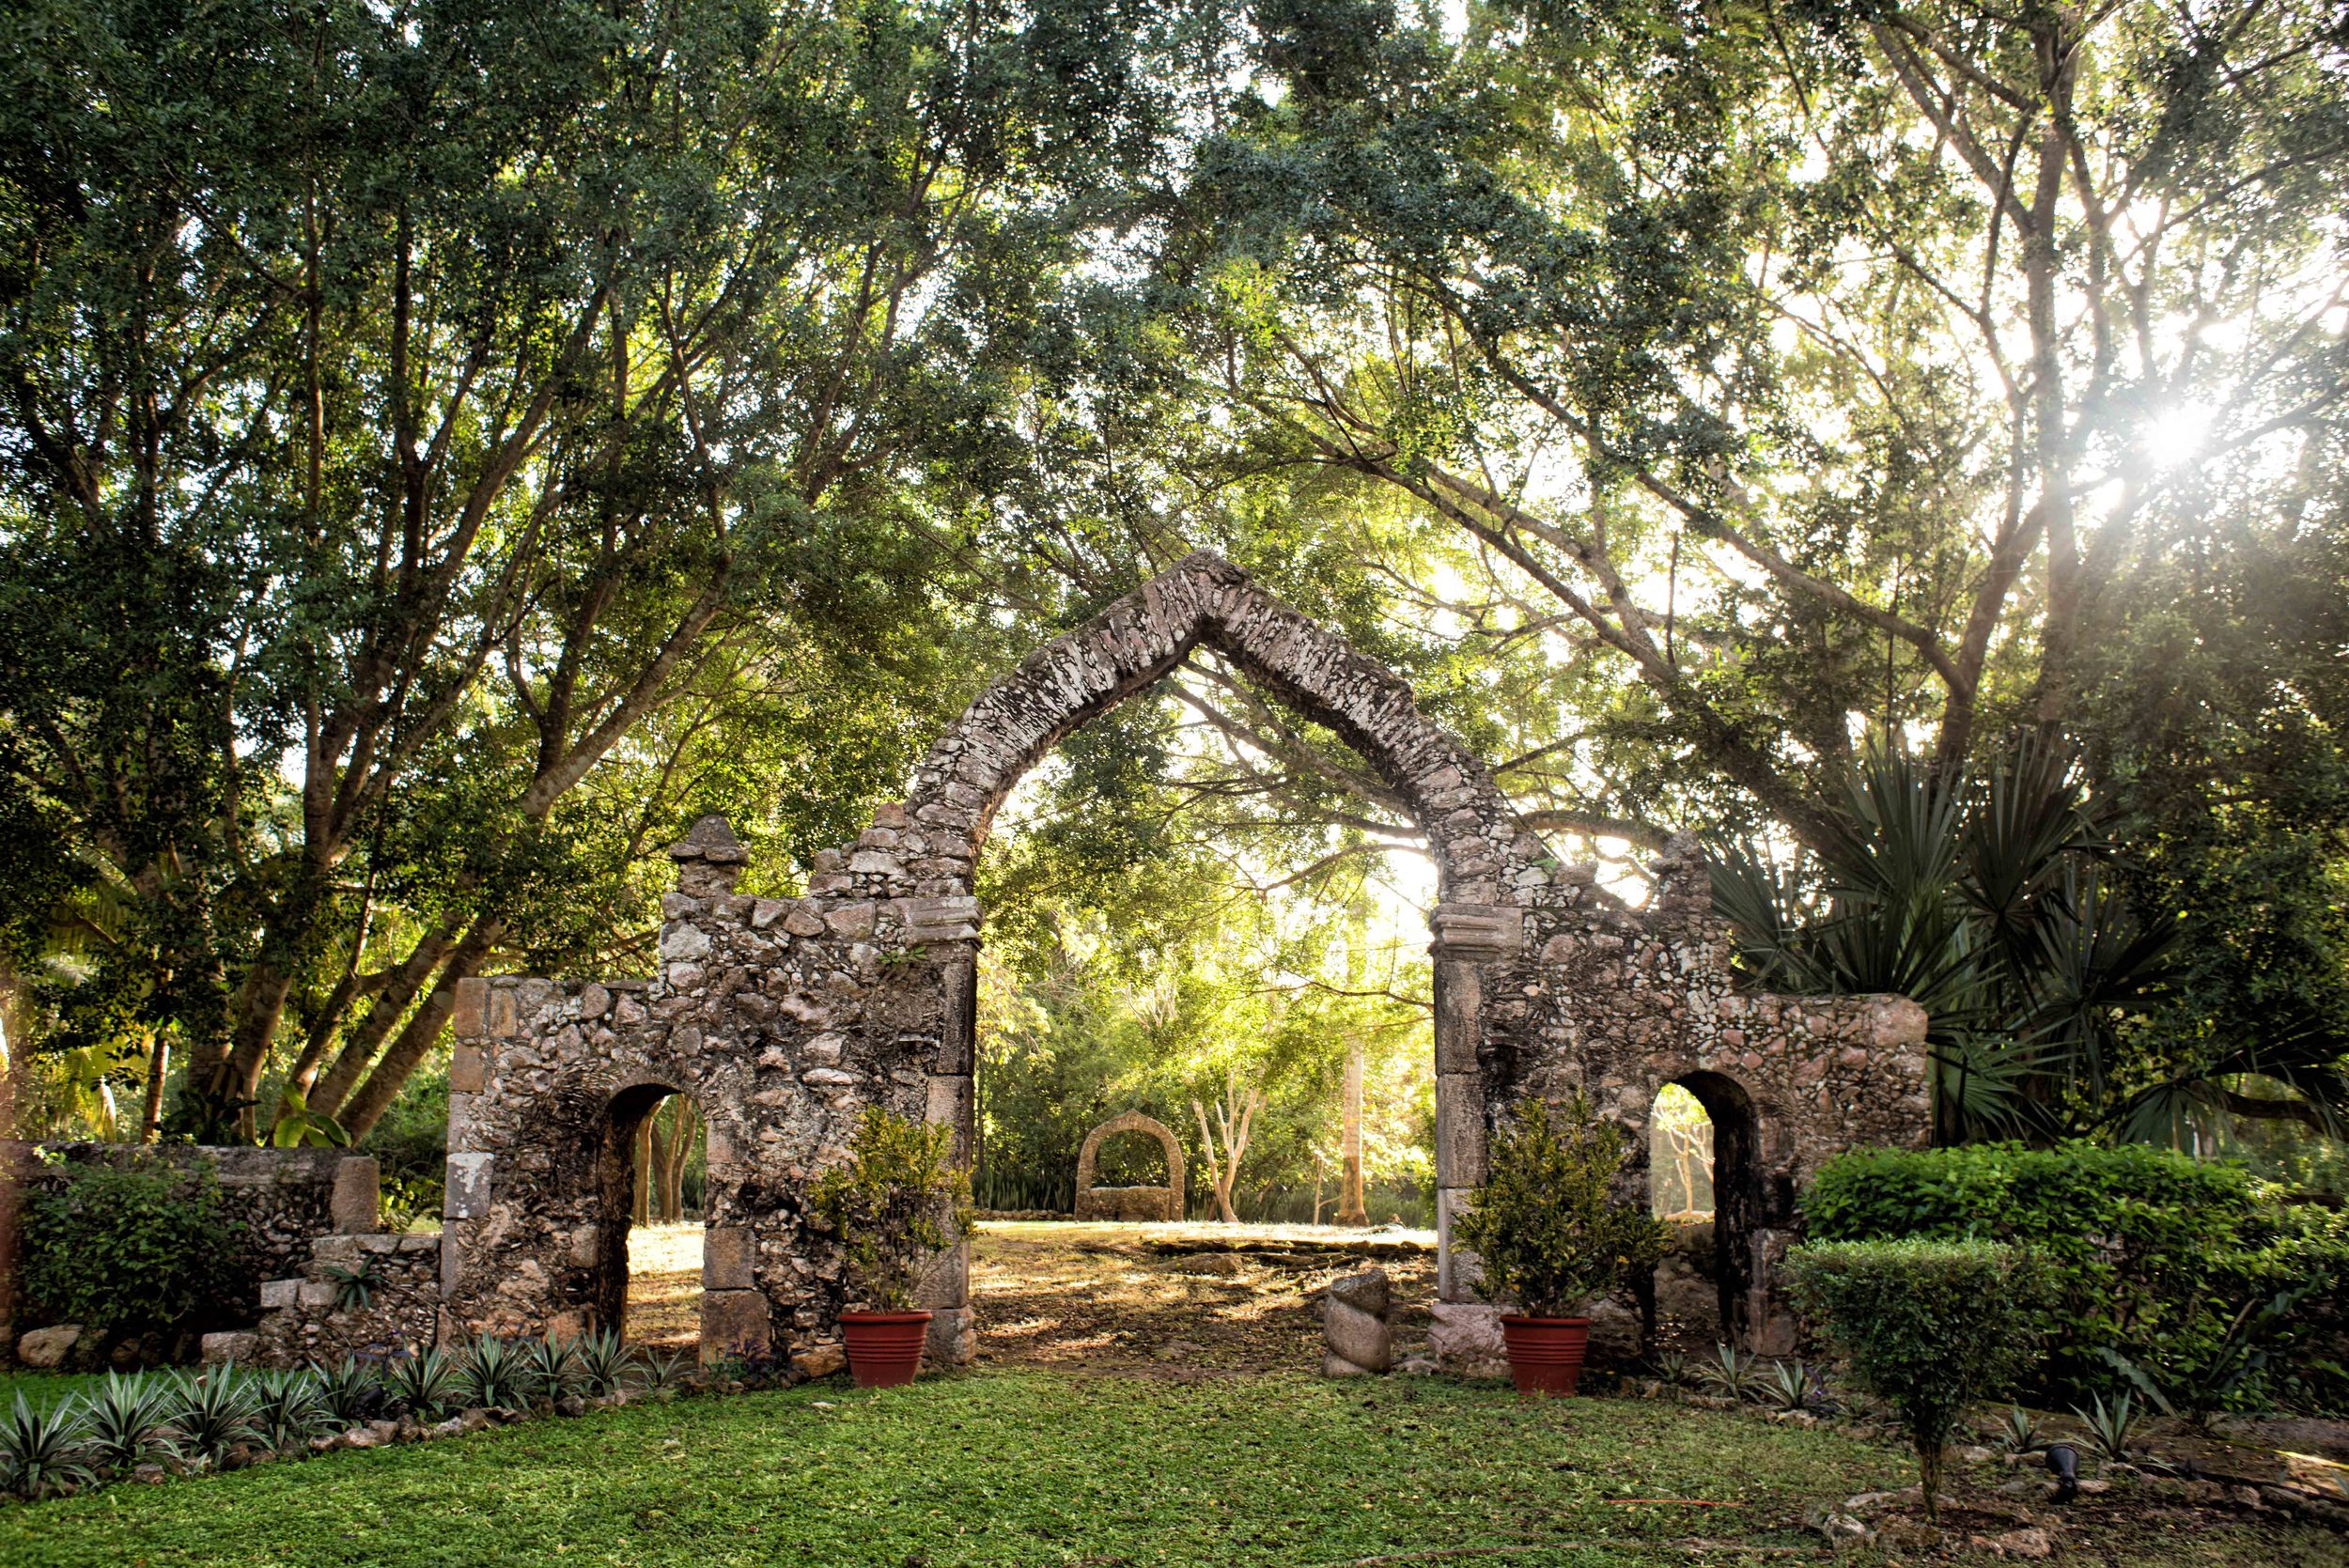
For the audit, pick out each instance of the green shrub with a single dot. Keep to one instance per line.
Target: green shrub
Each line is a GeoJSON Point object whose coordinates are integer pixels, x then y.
{"type": "Point", "coordinates": [1932, 1326]}
{"type": "Point", "coordinates": [130, 1247]}
{"type": "Point", "coordinates": [1546, 1225]}
{"type": "Point", "coordinates": [2153, 1255]}
{"type": "Point", "coordinates": [894, 1203]}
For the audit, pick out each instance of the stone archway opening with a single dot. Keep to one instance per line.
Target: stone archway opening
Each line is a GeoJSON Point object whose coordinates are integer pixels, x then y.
{"type": "Point", "coordinates": [648, 1283]}
{"type": "Point", "coordinates": [1705, 1178]}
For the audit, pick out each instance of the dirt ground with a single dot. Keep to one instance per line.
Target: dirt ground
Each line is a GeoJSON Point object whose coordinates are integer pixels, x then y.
{"type": "Point", "coordinates": [1179, 1301]}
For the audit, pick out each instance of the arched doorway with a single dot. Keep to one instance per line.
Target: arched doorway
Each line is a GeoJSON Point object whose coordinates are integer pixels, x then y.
{"type": "Point", "coordinates": [1703, 1174]}
{"type": "Point", "coordinates": [647, 1239]}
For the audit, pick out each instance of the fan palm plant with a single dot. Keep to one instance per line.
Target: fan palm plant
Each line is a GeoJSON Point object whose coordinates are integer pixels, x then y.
{"type": "Point", "coordinates": [1998, 903]}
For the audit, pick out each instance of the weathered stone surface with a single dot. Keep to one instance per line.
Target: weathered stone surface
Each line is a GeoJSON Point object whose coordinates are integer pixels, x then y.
{"type": "Point", "coordinates": [1466, 1339]}
{"type": "Point", "coordinates": [1357, 1336]}
{"type": "Point", "coordinates": [820, 1360]}
{"type": "Point", "coordinates": [229, 1346]}
{"type": "Point", "coordinates": [785, 1019]}
{"type": "Point", "coordinates": [1367, 1291]}
{"type": "Point", "coordinates": [1130, 1204]}
{"type": "Point", "coordinates": [48, 1347]}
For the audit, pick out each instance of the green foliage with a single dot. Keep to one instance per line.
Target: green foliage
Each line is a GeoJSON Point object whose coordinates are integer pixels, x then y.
{"type": "Point", "coordinates": [2111, 1428]}
{"type": "Point", "coordinates": [496, 1372]}
{"type": "Point", "coordinates": [423, 1383]}
{"type": "Point", "coordinates": [1932, 1326]}
{"type": "Point", "coordinates": [128, 1422]}
{"type": "Point", "coordinates": [2155, 1258]}
{"type": "Point", "coordinates": [604, 1362]}
{"type": "Point", "coordinates": [43, 1452]}
{"type": "Point", "coordinates": [551, 1369]}
{"type": "Point", "coordinates": [1547, 1224]}
{"type": "Point", "coordinates": [212, 1411]}
{"type": "Point", "coordinates": [135, 1245]}
{"type": "Point", "coordinates": [288, 1408]}
{"type": "Point", "coordinates": [1732, 1373]}
{"type": "Point", "coordinates": [348, 1389]}
{"type": "Point", "coordinates": [897, 1200]}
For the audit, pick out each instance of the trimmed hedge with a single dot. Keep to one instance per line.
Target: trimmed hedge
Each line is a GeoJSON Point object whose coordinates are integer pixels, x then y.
{"type": "Point", "coordinates": [1934, 1326]}
{"type": "Point", "coordinates": [2154, 1256]}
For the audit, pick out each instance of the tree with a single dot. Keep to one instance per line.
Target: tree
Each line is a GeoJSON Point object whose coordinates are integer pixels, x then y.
{"type": "Point", "coordinates": [404, 408]}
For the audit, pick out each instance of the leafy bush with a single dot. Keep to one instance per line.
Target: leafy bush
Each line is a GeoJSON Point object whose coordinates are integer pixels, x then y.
{"type": "Point", "coordinates": [1933, 1326]}
{"type": "Point", "coordinates": [130, 1247]}
{"type": "Point", "coordinates": [1547, 1224]}
{"type": "Point", "coordinates": [893, 1203]}
{"type": "Point", "coordinates": [2155, 1258]}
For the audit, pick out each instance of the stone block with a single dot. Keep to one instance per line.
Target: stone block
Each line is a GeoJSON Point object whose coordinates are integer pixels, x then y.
{"type": "Point", "coordinates": [466, 1018]}
{"type": "Point", "coordinates": [315, 1293]}
{"type": "Point", "coordinates": [466, 1195]}
{"type": "Point", "coordinates": [1459, 1009]}
{"type": "Point", "coordinates": [218, 1349]}
{"type": "Point", "coordinates": [953, 1338]}
{"type": "Point", "coordinates": [1357, 1336]}
{"type": "Point", "coordinates": [820, 1360]}
{"type": "Point", "coordinates": [728, 1258]}
{"type": "Point", "coordinates": [468, 1070]}
{"type": "Point", "coordinates": [734, 1322]}
{"type": "Point", "coordinates": [48, 1347]}
{"type": "Point", "coordinates": [503, 1013]}
{"type": "Point", "coordinates": [278, 1294]}
{"type": "Point", "coordinates": [1459, 1129]}
{"type": "Point", "coordinates": [950, 1105]}
{"type": "Point", "coordinates": [357, 1195]}
{"type": "Point", "coordinates": [1466, 1339]}
{"type": "Point", "coordinates": [1456, 1269]}
{"type": "Point", "coordinates": [1481, 931]}
{"type": "Point", "coordinates": [946, 1280]}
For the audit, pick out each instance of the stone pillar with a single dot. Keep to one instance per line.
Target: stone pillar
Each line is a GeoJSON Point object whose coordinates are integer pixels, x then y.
{"type": "Point", "coordinates": [1354, 1324]}
{"type": "Point", "coordinates": [1466, 1336]}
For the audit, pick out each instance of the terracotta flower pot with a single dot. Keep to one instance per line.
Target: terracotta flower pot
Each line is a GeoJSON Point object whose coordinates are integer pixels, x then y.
{"type": "Point", "coordinates": [884, 1348]}
{"type": "Point", "coordinates": [1545, 1353]}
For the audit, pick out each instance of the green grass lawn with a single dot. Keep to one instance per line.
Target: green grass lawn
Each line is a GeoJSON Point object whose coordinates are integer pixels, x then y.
{"type": "Point", "coordinates": [1039, 1467]}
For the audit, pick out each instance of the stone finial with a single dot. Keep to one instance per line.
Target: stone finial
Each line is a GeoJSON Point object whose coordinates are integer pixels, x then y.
{"type": "Point", "coordinates": [710, 839]}
{"type": "Point", "coordinates": [709, 859]}
{"type": "Point", "coordinates": [1684, 882]}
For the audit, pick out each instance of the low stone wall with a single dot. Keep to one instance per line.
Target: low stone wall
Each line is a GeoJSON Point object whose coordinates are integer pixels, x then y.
{"type": "Point", "coordinates": [1130, 1205]}
{"type": "Point", "coordinates": [279, 1200]}
{"type": "Point", "coordinates": [301, 1319]}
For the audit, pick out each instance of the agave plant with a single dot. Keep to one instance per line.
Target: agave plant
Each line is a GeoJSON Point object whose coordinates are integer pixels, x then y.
{"type": "Point", "coordinates": [129, 1421]}
{"type": "Point", "coordinates": [665, 1369]}
{"type": "Point", "coordinates": [354, 1288]}
{"type": "Point", "coordinates": [423, 1385]}
{"type": "Point", "coordinates": [288, 1408]}
{"type": "Point", "coordinates": [604, 1364]}
{"type": "Point", "coordinates": [1735, 1374]}
{"type": "Point", "coordinates": [2111, 1426]}
{"type": "Point", "coordinates": [1788, 1385]}
{"type": "Point", "coordinates": [43, 1452]}
{"type": "Point", "coordinates": [549, 1368]}
{"type": "Point", "coordinates": [1671, 1366]}
{"type": "Point", "coordinates": [212, 1412]}
{"type": "Point", "coordinates": [348, 1391]}
{"type": "Point", "coordinates": [2018, 1432]}
{"type": "Point", "coordinates": [496, 1372]}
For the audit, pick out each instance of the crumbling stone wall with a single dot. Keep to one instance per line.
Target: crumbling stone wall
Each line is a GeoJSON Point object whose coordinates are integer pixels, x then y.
{"type": "Point", "coordinates": [785, 1019]}
{"type": "Point", "coordinates": [303, 1319]}
{"type": "Point", "coordinates": [279, 1201]}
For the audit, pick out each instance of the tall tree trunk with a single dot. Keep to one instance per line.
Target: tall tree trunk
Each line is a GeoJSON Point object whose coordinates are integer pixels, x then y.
{"type": "Point", "coordinates": [655, 1164]}
{"type": "Point", "coordinates": [158, 1067]}
{"type": "Point", "coordinates": [1351, 1209]}
{"type": "Point", "coordinates": [382, 1086]}
{"type": "Point", "coordinates": [640, 1163]}
{"type": "Point", "coordinates": [359, 1051]}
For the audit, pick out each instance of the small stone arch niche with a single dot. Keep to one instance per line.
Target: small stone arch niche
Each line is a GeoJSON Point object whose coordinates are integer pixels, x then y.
{"type": "Point", "coordinates": [1129, 1204]}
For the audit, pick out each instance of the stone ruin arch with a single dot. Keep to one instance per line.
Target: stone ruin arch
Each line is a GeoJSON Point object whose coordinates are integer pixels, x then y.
{"type": "Point", "coordinates": [1132, 1203]}
{"type": "Point", "coordinates": [785, 1019]}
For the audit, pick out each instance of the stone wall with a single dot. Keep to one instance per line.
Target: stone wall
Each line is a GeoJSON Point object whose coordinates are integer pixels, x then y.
{"type": "Point", "coordinates": [279, 1200]}
{"type": "Point", "coordinates": [783, 1018]}
{"type": "Point", "coordinates": [303, 1318]}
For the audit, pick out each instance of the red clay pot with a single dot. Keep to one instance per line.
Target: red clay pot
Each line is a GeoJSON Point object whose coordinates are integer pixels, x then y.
{"type": "Point", "coordinates": [885, 1348]}
{"type": "Point", "coordinates": [1545, 1353]}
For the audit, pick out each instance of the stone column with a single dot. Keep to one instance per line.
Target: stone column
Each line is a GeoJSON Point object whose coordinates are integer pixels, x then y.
{"type": "Point", "coordinates": [1466, 1337]}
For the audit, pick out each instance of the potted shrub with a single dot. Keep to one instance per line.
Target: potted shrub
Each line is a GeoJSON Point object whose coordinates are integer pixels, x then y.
{"type": "Point", "coordinates": [895, 1204]}
{"type": "Point", "coordinates": [1552, 1234]}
